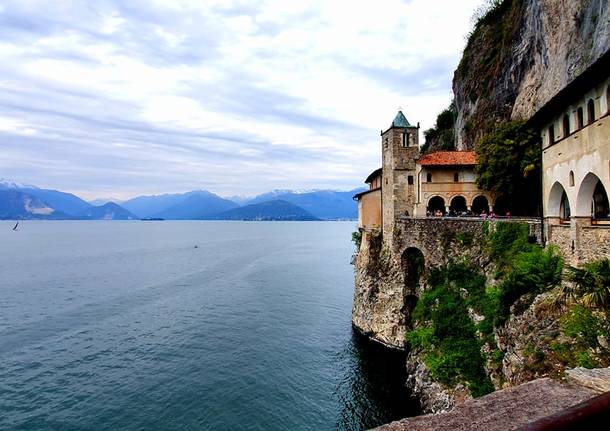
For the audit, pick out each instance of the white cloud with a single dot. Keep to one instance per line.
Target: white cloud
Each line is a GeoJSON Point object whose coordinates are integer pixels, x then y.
{"type": "Point", "coordinates": [190, 94]}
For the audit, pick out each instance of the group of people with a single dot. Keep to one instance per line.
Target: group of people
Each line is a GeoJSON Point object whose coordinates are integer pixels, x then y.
{"type": "Point", "coordinates": [468, 213]}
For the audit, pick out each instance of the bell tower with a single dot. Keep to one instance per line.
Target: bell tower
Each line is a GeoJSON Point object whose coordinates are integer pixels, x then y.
{"type": "Point", "coordinates": [399, 149]}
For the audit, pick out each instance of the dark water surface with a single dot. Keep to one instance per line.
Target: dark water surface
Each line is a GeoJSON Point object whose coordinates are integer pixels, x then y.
{"type": "Point", "coordinates": [129, 326]}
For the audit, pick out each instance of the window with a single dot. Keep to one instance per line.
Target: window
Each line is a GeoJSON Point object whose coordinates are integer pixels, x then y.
{"type": "Point", "coordinates": [580, 118]}
{"type": "Point", "coordinates": [385, 143]}
{"type": "Point", "coordinates": [551, 135]}
{"type": "Point", "coordinates": [566, 125]}
{"type": "Point", "coordinates": [456, 177]}
{"type": "Point", "coordinates": [429, 177]}
{"type": "Point", "coordinates": [410, 180]}
{"type": "Point", "coordinates": [405, 139]}
{"type": "Point", "coordinates": [590, 111]}
{"type": "Point", "coordinates": [571, 179]}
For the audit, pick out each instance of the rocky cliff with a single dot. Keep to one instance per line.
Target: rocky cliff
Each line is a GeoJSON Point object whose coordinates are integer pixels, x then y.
{"type": "Point", "coordinates": [519, 55]}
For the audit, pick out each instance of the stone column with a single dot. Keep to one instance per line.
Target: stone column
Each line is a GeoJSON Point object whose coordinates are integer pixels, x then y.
{"type": "Point", "coordinates": [576, 225]}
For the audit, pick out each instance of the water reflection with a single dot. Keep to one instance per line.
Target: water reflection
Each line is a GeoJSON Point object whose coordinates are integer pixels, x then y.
{"type": "Point", "coordinates": [372, 391]}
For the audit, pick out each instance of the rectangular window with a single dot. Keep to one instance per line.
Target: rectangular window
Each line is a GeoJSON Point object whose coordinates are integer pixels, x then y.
{"type": "Point", "coordinates": [429, 177]}
{"type": "Point", "coordinates": [456, 177]}
{"type": "Point", "coordinates": [410, 180]}
{"type": "Point", "coordinates": [405, 140]}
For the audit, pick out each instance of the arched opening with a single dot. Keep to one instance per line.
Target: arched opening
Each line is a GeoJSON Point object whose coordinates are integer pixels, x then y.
{"type": "Point", "coordinates": [458, 205]}
{"type": "Point", "coordinates": [501, 206]}
{"type": "Point", "coordinates": [551, 135]}
{"type": "Point", "coordinates": [413, 265]}
{"type": "Point", "coordinates": [480, 204]}
{"type": "Point", "coordinates": [590, 111]}
{"type": "Point", "coordinates": [592, 199]}
{"type": "Point", "coordinates": [580, 118]}
{"type": "Point", "coordinates": [436, 205]}
{"type": "Point", "coordinates": [599, 204]}
{"type": "Point", "coordinates": [558, 204]}
{"type": "Point", "coordinates": [571, 178]}
{"type": "Point", "coordinates": [566, 125]}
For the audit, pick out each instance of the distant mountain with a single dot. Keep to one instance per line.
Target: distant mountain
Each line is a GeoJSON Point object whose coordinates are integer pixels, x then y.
{"type": "Point", "coordinates": [323, 204]}
{"type": "Point", "coordinates": [194, 205]}
{"type": "Point", "coordinates": [271, 210]}
{"type": "Point", "coordinates": [101, 201]}
{"type": "Point", "coordinates": [108, 211]}
{"type": "Point", "coordinates": [147, 206]}
{"type": "Point", "coordinates": [15, 204]}
{"type": "Point", "coordinates": [59, 201]}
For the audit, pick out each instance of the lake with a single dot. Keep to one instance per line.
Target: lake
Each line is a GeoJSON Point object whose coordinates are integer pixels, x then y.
{"type": "Point", "coordinates": [108, 325]}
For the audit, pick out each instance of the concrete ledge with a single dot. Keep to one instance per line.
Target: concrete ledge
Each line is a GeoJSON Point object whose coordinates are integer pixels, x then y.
{"type": "Point", "coordinates": [508, 409]}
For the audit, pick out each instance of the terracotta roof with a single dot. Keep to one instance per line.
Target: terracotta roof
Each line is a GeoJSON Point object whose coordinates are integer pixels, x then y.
{"type": "Point", "coordinates": [448, 158]}
{"type": "Point", "coordinates": [373, 175]}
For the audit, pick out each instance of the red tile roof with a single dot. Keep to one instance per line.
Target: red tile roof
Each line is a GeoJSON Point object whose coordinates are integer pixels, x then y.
{"type": "Point", "coordinates": [448, 158]}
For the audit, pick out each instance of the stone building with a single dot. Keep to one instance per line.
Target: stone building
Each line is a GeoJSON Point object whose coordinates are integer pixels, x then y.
{"type": "Point", "coordinates": [575, 131]}
{"type": "Point", "coordinates": [369, 203]}
{"type": "Point", "coordinates": [410, 185]}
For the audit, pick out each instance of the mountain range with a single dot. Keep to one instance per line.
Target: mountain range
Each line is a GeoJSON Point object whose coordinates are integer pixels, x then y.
{"type": "Point", "coordinates": [19, 201]}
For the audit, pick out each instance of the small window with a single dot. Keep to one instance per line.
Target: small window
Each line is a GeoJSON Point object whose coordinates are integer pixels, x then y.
{"type": "Point", "coordinates": [551, 135]}
{"type": "Point", "coordinates": [580, 118]}
{"type": "Point", "coordinates": [385, 143]}
{"type": "Point", "coordinates": [571, 179]}
{"type": "Point", "coordinates": [429, 177]}
{"type": "Point", "coordinates": [386, 181]}
{"type": "Point", "coordinates": [405, 139]}
{"type": "Point", "coordinates": [566, 126]}
{"type": "Point", "coordinates": [590, 111]}
{"type": "Point", "coordinates": [410, 180]}
{"type": "Point", "coordinates": [456, 177]}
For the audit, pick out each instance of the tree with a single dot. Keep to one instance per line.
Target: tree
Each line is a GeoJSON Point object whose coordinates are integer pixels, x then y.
{"type": "Point", "coordinates": [508, 163]}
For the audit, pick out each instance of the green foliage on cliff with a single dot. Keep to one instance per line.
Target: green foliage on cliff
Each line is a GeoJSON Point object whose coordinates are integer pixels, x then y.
{"type": "Point", "coordinates": [442, 135]}
{"type": "Point", "coordinates": [446, 333]}
{"type": "Point", "coordinates": [357, 239]}
{"type": "Point", "coordinates": [585, 342]}
{"type": "Point", "coordinates": [508, 163]}
{"type": "Point", "coordinates": [590, 284]}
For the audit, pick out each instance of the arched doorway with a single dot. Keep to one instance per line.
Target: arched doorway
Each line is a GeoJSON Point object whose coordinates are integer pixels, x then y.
{"type": "Point", "coordinates": [458, 205]}
{"type": "Point", "coordinates": [558, 204]}
{"type": "Point", "coordinates": [592, 199]}
{"type": "Point", "coordinates": [501, 206]}
{"type": "Point", "coordinates": [436, 204]}
{"type": "Point", "coordinates": [480, 204]}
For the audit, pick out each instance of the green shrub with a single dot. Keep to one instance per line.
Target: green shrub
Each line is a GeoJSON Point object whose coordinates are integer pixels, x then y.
{"type": "Point", "coordinates": [357, 239]}
{"type": "Point", "coordinates": [591, 284]}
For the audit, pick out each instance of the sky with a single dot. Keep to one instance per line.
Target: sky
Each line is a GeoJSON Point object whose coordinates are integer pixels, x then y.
{"type": "Point", "coordinates": [117, 98]}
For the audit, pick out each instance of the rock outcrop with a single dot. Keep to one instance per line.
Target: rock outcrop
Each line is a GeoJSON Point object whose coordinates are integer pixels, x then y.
{"type": "Point", "coordinates": [520, 55]}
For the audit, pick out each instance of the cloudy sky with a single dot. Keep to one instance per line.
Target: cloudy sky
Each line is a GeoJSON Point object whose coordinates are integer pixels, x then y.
{"type": "Point", "coordinates": [116, 98]}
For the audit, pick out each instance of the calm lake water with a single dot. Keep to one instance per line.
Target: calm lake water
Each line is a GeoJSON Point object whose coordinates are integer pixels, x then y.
{"type": "Point", "coordinates": [186, 325]}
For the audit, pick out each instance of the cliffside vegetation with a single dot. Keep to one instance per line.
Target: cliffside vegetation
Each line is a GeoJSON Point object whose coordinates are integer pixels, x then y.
{"type": "Point", "coordinates": [456, 318]}
{"type": "Point", "coordinates": [441, 137]}
{"type": "Point", "coordinates": [508, 163]}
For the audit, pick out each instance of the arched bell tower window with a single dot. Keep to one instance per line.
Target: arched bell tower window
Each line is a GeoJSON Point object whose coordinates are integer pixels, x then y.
{"type": "Point", "coordinates": [566, 125]}
{"type": "Point", "coordinates": [590, 111]}
{"type": "Point", "coordinates": [580, 118]}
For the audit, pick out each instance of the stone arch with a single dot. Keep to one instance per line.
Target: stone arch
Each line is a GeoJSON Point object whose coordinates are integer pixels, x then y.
{"type": "Point", "coordinates": [559, 203]}
{"type": "Point", "coordinates": [501, 205]}
{"type": "Point", "coordinates": [590, 111]}
{"type": "Point", "coordinates": [436, 203]}
{"type": "Point", "coordinates": [480, 204]}
{"type": "Point", "coordinates": [458, 204]}
{"type": "Point", "coordinates": [413, 265]}
{"type": "Point", "coordinates": [592, 198]}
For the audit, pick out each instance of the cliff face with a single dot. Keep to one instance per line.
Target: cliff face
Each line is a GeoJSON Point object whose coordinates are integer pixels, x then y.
{"type": "Point", "coordinates": [520, 55]}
